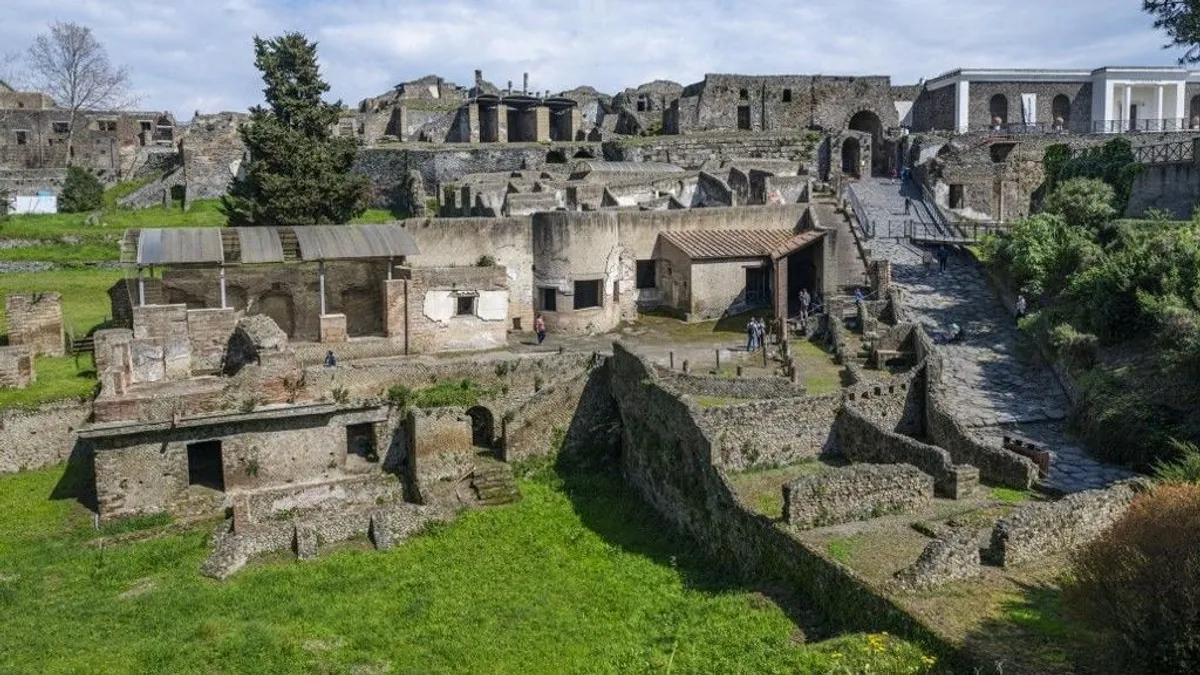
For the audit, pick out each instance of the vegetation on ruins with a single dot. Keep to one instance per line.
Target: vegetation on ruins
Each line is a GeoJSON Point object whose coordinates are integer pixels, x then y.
{"type": "Point", "coordinates": [592, 581]}
{"type": "Point", "coordinates": [1185, 468]}
{"type": "Point", "coordinates": [298, 172]}
{"type": "Point", "coordinates": [1111, 163]}
{"type": "Point", "coordinates": [1119, 302]}
{"type": "Point", "coordinates": [1139, 584]}
{"type": "Point", "coordinates": [72, 66]}
{"type": "Point", "coordinates": [81, 191]}
{"type": "Point", "coordinates": [1180, 19]}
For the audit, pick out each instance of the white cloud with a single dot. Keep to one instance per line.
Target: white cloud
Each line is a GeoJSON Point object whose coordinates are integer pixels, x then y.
{"type": "Point", "coordinates": [198, 55]}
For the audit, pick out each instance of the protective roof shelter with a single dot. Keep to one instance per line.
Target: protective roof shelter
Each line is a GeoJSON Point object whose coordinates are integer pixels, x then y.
{"type": "Point", "coordinates": [224, 246]}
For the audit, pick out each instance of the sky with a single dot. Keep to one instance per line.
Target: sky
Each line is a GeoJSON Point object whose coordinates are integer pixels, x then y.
{"type": "Point", "coordinates": [189, 55]}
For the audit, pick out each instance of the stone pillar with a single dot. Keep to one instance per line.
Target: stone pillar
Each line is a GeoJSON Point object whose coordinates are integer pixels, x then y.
{"type": "Point", "coordinates": [321, 285]}
{"type": "Point", "coordinates": [1125, 105]}
{"type": "Point", "coordinates": [576, 133]}
{"type": "Point", "coordinates": [525, 84]}
{"type": "Point", "coordinates": [224, 303]}
{"type": "Point", "coordinates": [395, 308]}
{"type": "Point", "coordinates": [333, 328]}
{"type": "Point", "coordinates": [473, 122]}
{"type": "Point", "coordinates": [962, 106]}
{"type": "Point", "coordinates": [501, 123]}
{"type": "Point", "coordinates": [1181, 107]}
{"type": "Point", "coordinates": [541, 124]}
{"type": "Point", "coordinates": [781, 288]}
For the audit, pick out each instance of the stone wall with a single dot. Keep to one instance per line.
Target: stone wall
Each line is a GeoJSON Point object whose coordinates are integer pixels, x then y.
{"type": "Point", "coordinates": [209, 331]}
{"type": "Point", "coordinates": [728, 387]}
{"type": "Point", "coordinates": [1039, 529]}
{"type": "Point", "coordinates": [770, 433]}
{"type": "Point", "coordinates": [1167, 187]}
{"type": "Point", "coordinates": [435, 322]}
{"type": "Point", "coordinates": [161, 347]}
{"type": "Point", "coordinates": [863, 439]}
{"type": "Point", "coordinates": [696, 152]}
{"type": "Point", "coordinates": [857, 492]}
{"type": "Point", "coordinates": [35, 320]}
{"type": "Point", "coordinates": [667, 459]}
{"type": "Point", "coordinates": [16, 367]}
{"type": "Point", "coordinates": [951, 557]}
{"type": "Point", "coordinates": [560, 416]}
{"type": "Point", "coordinates": [440, 447]}
{"type": "Point", "coordinates": [32, 439]}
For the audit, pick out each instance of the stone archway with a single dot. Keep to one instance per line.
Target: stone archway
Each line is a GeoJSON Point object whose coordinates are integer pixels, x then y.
{"type": "Point", "coordinates": [852, 157]}
{"type": "Point", "coordinates": [867, 121]}
{"type": "Point", "coordinates": [1194, 112]}
{"type": "Point", "coordinates": [1060, 110]}
{"type": "Point", "coordinates": [483, 427]}
{"type": "Point", "coordinates": [998, 110]}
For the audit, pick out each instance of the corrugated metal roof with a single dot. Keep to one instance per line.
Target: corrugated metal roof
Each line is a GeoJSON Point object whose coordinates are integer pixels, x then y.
{"type": "Point", "coordinates": [339, 242]}
{"type": "Point", "coordinates": [702, 244]}
{"type": "Point", "coordinates": [198, 245]}
{"type": "Point", "coordinates": [796, 242]}
{"type": "Point", "coordinates": [180, 246]}
{"type": "Point", "coordinates": [260, 244]}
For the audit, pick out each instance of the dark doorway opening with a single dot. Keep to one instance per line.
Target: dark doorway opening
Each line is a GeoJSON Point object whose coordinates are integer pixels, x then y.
{"type": "Point", "coordinates": [956, 196]}
{"type": "Point", "coordinates": [865, 120]}
{"type": "Point", "coordinates": [851, 157]}
{"type": "Point", "coordinates": [360, 441]}
{"type": "Point", "coordinates": [743, 114]}
{"type": "Point", "coordinates": [801, 273]}
{"type": "Point", "coordinates": [549, 299]}
{"type": "Point", "coordinates": [483, 427]}
{"type": "Point", "coordinates": [205, 466]}
{"type": "Point", "coordinates": [756, 286]}
{"type": "Point", "coordinates": [587, 294]}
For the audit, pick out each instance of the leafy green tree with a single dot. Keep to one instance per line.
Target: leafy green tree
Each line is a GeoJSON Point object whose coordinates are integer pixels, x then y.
{"type": "Point", "coordinates": [82, 191]}
{"type": "Point", "coordinates": [1180, 19]}
{"type": "Point", "coordinates": [1084, 202]}
{"type": "Point", "coordinates": [297, 172]}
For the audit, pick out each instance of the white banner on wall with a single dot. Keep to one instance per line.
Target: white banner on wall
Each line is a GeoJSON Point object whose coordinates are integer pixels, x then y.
{"type": "Point", "coordinates": [1029, 108]}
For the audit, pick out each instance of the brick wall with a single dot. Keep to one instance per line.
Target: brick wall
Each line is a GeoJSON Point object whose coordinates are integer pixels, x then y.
{"type": "Point", "coordinates": [16, 367]}
{"type": "Point", "coordinates": [35, 320]}
{"type": "Point", "coordinates": [856, 492]}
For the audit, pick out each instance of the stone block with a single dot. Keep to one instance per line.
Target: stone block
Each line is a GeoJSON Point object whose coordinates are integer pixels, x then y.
{"type": "Point", "coordinates": [305, 542]}
{"type": "Point", "coordinates": [855, 492]}
{"type": "Point", "coordinates": [35, 320]}
{"type": "Point", "coordinates": [333, 328]}
{"type": "Point", "coordinates": [16, 367]}
{"type": "Point", "coordinates": [147, 361]}
{"type": "Point", "coordinates": [209, 331]}
{"type": "Point", "coordinates": [111, 348]}
{"type": "Point", "coordinates": [951, 557]}
{"type": "Point", "coordinates": [381, 532]}
{"type": "Point", "coordinates": [395, 307]}
{"type": "Point", "coordinates": [964, 480]}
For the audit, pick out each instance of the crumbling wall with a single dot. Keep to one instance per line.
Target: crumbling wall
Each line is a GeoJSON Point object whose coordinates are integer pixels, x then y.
{"type": "Point", "coordinates": [856, 492]}
{"type": "Point", "coordinates": [34, 438]}
{"type": "Point", "coordinates": [1039, 529]}
{"type": "Point", "coordinates": [35, 320]}
{"type": "Point", "coordinates": [16, 367]}
{"type": "Point", "coordinates": [770, 433]}
{"type": "Point", "coordinates": [435, 322]}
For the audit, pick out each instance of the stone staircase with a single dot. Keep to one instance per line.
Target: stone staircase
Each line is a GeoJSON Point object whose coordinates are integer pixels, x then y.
{"type": "Point", "coordinates": [493, 482]}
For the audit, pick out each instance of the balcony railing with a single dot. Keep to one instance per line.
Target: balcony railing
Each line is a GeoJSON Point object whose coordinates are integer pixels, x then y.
{"type": "Point", "coordinates": [1146, 125]}
{"type": "Point", "coordinates": [1165, 153]}
{"type": "Point", "coordinates": [1026, 128]}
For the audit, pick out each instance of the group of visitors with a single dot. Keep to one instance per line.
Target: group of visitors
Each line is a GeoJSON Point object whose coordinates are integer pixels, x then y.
{"type": "Point", "coordinates": [941, 253]}
{"type": "Point", "coordinates": [810, 304]}
{"type": "Point", "coordinates": [756, 334]}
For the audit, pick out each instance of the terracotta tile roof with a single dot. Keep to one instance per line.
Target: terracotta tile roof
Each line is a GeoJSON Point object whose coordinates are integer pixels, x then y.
{"type": "Point", "coordinates": [796, 242]}
{"type": "Point", "coordinates": [709, 244]}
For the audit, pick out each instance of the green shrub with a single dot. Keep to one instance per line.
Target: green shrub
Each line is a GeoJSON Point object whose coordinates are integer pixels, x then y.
{"type": "Point", "coordinates": [1184, 468]}
{"type": "Point", "coordinates": [1140, 583]}
{"type": "Point", "coordinates": [81, 191]}
{"type": "Point", "coordinates": [486, 261]}
{"type": "Point", "coordinates": [399, 395]}
{"type": "Point", "coordinates": [1086, 202]}
{"type": "Point", "coordinates": [1078, 349]}
{"type": "Point", "coordinates": [458, 393]}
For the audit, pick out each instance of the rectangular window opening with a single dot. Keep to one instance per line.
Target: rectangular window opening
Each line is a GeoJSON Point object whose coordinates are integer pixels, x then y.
{"type": "Point", "coordinates": [205, 466]}
{"type": "Point", "coordinates": [645, 274]}
{"type": "Point", "coordinates": [956, 196]}
{"type": "Point", "coordinates": [146, 125]}
{"type": "Point", "coordinates": [549, 299]}
{"type": "Point", "coordinates": [60, 127]}
{"type": "Point", "coordinates": [787, 95]}
{"type": "Point", "coordinates": [465, 306]}
{"type": "Point", "coordinates": [107, 125]}
{"type": "Point", "coordinates": [22, 137]}
{"type": "Point", "coordinates": [587, 294]}
{"type": "Point", "coordinates": [360, 441]}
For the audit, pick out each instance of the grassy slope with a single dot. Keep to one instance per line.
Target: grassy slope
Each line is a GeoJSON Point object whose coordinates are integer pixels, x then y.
{"type": "Point", "coordinates": [58, 378]}
{"type": "Point", "coordinates": [84, 291]}
{"type": "Point", "coordinates": [552, 584]}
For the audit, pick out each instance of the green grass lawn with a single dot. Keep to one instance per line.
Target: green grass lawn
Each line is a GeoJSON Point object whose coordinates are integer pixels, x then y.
{"type": "Point", "coordinates": [586, 583]}
{"type": "Point", "coordinates": [84, 291]}
{"type": "Point", "coordinates": [58, 379]}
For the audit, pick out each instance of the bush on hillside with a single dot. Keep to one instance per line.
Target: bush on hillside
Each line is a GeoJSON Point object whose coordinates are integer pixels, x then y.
{"type": "Point", "coordinates": [1184, 468]}
{"type": "Point", "coordinates": [81, 191]}
{"type": "Point", "coordinates": [1140, 582]}
{"type": "Point", "coordinates": [1077, 349]}
{"type": "Point", "coordinates": [1083, 202]}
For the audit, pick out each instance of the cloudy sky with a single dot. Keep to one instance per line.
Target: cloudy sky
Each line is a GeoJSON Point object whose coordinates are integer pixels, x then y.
{"type": "Point", "coordinates": [188, 55]}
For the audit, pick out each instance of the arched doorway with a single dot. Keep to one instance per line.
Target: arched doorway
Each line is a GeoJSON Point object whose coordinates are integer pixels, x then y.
{"type": "Point", "coordinates": [1060, 108]}
{"type": "Point", "coordinates": [869, 122]}
{"type": "Point", "coordinates": [556, 157]}
{"type": "Point", "coordinates": [998, 110]}
{"type": "Point", "coordinates": [483, 427]}
{"type": "Point", "coordinates": [1194, 113]}
{"type": "Point", "coordinates": [279, 307]}
{"type": "Point", "coordinates": [851, 157]}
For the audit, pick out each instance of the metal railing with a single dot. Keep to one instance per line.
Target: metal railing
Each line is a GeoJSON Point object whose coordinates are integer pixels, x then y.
{"type": "Point", "coordinates": [935, 211]}
{"type": "Point", "coordinates": [864, 221]}
{"type": "Point", "coordinates": [1165, 153]}
{"type": "Point", "coordinates": [1017, 128]}
{"type": "Point", "coordinates": [968, 232]}
{"type": "Point", "coordinates": [1143, 125]}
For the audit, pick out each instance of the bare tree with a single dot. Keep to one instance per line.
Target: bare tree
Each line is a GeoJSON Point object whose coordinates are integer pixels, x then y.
{"type": "Point", "coordinates": [72, 66]}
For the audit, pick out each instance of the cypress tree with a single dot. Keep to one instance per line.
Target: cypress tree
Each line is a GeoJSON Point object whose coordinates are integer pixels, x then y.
{"type": "Point", "coordinates": [296, 172]}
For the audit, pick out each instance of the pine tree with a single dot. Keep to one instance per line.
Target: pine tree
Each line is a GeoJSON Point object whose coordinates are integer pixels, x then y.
{"type": "Point", "coordinates": [81, 191]}
{"type": "Point", "coordinates": [297, 172]}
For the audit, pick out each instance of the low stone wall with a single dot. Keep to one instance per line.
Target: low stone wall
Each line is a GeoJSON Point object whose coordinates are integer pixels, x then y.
{"type": "Point", "coordinates": [897, 403]}
{"type": "Point", "coordinates": [863, 439]}
{"type": "Point", "coordinates": [1040, 529]}
{"type": "Point", "coordinates": [730, 387]}
{"type": "Point", "coordinates": [770, 433]}
{"type": "Point", "coordinates": [575, 411]}
{"type": "Point", "coordinates": [35, 320]}
{"type": "Point", "coordinates": [856, 492]}
{"type": "Point", "coordinates": [951, 557]}
{"type": "Point", "coordinates": [233, 548]}
{"type": "Point", "coordinates": [16, 367]}
{"type": "Point", "coordinates": [32, 439]}
{"type": "Point", "coordinates": [269, 504]}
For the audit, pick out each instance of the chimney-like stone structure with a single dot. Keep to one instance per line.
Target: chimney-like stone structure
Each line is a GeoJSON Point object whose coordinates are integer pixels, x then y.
{"type": "Point", "coordinates": [525, 85]}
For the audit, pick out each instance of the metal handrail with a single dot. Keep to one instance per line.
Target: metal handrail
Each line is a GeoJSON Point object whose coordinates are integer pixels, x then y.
{"type": "Point", "coordinates": [864, 221]}
{"type": "Point", "coordinates": [1150, 125]}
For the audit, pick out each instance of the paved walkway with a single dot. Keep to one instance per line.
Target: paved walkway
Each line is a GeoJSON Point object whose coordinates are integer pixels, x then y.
{"type": "Point", "coordinates": [996, 379]}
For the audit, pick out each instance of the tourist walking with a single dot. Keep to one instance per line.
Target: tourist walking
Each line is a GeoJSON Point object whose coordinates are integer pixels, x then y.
{"type": "Point", "coordinates": [805, 300]}
{"type": "Point", "coordinates": [539, 327]}
{"type": "Point", "coordinates": [907, 205]}
{"type": "Point", "coordinates": [943, 254]}
{"type": "Point", "coordinates": [760, 333]}
{"type": "Point", "coordinates": [751, 335]}
{"type": "Point", "coordinates": [330, 359]}
{"type": "Point", "coordinates": [1020, 309]}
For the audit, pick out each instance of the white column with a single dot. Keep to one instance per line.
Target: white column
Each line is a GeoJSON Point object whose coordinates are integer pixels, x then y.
{"type": "Point", "coordinates": [1158, 109]}
{"type": "Point", "coordinates": [321, 284]}
{"type": "Point", "coordinates": [223, 303]}
{"type": "Point", "coordinates": [962, 106]}
{"type": "Point", "coordinates": [1125, 107]}
{"type": "Point", "coordinates": [1181, 106]}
